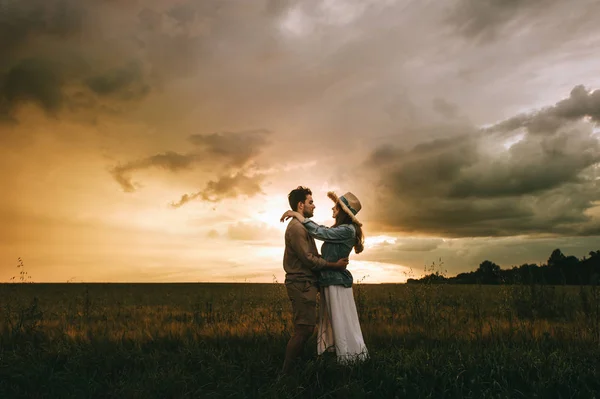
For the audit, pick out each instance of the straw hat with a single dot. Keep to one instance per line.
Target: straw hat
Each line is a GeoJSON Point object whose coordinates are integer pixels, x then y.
{"type": "Point", "coordinates": [349, 204]}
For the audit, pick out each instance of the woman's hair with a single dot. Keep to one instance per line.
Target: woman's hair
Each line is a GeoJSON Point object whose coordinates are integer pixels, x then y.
{"type": "Point", "coordinates": [344, 218]}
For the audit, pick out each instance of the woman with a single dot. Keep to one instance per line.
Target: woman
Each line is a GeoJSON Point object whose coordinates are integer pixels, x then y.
{"type": "Point", "coordinates": [339, 328]}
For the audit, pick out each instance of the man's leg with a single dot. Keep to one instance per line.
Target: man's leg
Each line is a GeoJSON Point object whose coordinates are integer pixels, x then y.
{"type": "Point", "coordinates": [303, 296]}
{"type": "Point", "coordinates": [295, 345]}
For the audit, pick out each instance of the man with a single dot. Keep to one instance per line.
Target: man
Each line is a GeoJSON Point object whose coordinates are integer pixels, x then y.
{"type": "Point", "coordinates": [301, 261]}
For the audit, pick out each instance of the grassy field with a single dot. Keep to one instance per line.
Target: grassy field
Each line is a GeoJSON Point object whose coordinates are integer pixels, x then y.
{"type": "Point", "coordinates": [228, 340]}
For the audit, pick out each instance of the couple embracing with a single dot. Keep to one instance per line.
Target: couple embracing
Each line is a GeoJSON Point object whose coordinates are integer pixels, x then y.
{"type": "Point", "coordinates": [308, 273]}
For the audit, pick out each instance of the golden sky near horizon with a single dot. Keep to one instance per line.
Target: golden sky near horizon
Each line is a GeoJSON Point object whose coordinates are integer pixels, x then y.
{"type": "Point", "coordinates": [157, 140]}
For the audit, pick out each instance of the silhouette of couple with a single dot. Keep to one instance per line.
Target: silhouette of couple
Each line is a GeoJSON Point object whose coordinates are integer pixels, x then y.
{"type": "Point", "coordinates": [308, 273]}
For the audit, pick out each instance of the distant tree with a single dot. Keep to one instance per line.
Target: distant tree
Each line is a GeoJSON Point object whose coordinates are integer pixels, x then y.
{"type": "Point", "coordinates": [589, 268]}
{"type": "Point", "coordinates": [560, 269]}
{"type": "Point", "coordinates": [529, 274]}
{"type": "Point", "coordinates": [433, 278]}
{"type": "Point", "coordinates": [464, 278]}
{"type": "Point", "coordinates": [488, 272]}
{"type": "Point", "coordinates": [488, 267]}
{"type": "Point", "coordinates": [556, 258]}
{"type": "Point", "coordinates": [563, 269]}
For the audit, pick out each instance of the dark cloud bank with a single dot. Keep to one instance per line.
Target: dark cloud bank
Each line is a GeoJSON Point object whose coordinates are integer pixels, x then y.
{"type": "Point", "coordinates": [470, 185]}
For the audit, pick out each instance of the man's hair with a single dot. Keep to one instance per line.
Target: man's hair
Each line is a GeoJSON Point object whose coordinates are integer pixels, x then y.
{"type": "Point", "coordinates": [298, 195]}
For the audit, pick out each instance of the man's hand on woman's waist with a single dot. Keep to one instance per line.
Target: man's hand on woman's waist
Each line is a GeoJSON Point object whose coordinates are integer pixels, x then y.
{"type": "Point", "coordinates": [340, 264]}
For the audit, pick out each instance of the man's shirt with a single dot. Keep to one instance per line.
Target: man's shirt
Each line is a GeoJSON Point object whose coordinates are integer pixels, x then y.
{"type": "Point", "coordinates": [301, 259]}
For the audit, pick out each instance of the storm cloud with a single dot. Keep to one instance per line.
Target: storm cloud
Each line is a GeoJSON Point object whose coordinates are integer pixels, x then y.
{"type": "Point", "coordinates": [170, 160]}
{"type": "Point", "coordinates": [235, 148]}
{"type": "Point", "coordinates": [544, 182]}
{"type": "Point", "coordinates": [231, 155]}
{"type": "Point", "coordinates": [228, 186]}
{"type": "Point", "coordinates": [581, 103]}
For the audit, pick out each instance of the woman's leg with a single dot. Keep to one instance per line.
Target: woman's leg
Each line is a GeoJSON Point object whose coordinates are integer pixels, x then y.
{"type": "Point", "coordinates": [349, 342]}
{"type": "Point", "coordinates": [325, 338]}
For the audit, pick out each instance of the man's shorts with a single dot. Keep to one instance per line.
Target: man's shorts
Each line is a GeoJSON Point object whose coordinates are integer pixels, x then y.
{"type": "Point", "coordinates": [303, 295]}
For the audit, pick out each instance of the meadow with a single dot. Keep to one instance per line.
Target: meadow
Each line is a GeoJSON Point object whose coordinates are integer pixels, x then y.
{"type": "Point", "coordinates": [228, 340]}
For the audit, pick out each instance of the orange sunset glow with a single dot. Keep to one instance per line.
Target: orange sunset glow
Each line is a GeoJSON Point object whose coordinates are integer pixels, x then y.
{"type": "Point", "coordinates": [157, 141]}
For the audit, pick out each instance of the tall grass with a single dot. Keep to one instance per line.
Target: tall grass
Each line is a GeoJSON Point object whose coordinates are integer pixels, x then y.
{"type": "Point", "coordinates": [228, 340]}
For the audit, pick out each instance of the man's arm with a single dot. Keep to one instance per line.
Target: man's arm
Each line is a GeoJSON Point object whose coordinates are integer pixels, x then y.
{"type": "Point", "coordinates": [299, 243]}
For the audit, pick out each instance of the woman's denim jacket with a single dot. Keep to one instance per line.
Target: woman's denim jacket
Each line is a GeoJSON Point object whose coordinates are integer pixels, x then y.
{"type": "Point", "coordinates": [338, 243]}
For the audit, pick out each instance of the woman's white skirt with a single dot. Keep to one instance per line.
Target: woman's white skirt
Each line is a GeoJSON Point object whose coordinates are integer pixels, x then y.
{"type": "Point", "coordinates": [339, 329]}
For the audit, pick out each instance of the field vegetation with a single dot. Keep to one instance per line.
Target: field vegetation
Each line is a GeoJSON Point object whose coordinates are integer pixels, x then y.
{"type": "Point", "coordinates": [228, 340]}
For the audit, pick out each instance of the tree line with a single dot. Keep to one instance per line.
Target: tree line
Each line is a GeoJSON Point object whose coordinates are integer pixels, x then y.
{"type": "Point", "coordinates": [558, 270]}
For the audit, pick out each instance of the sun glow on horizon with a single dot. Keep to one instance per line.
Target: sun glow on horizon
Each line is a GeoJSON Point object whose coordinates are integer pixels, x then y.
{"type": "Point", "coordinates": [379, 272]}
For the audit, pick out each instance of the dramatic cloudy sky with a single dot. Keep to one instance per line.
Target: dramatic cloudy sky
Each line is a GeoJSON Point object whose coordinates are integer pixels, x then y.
{"type": "Point", "coordinates": [157, 140]}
